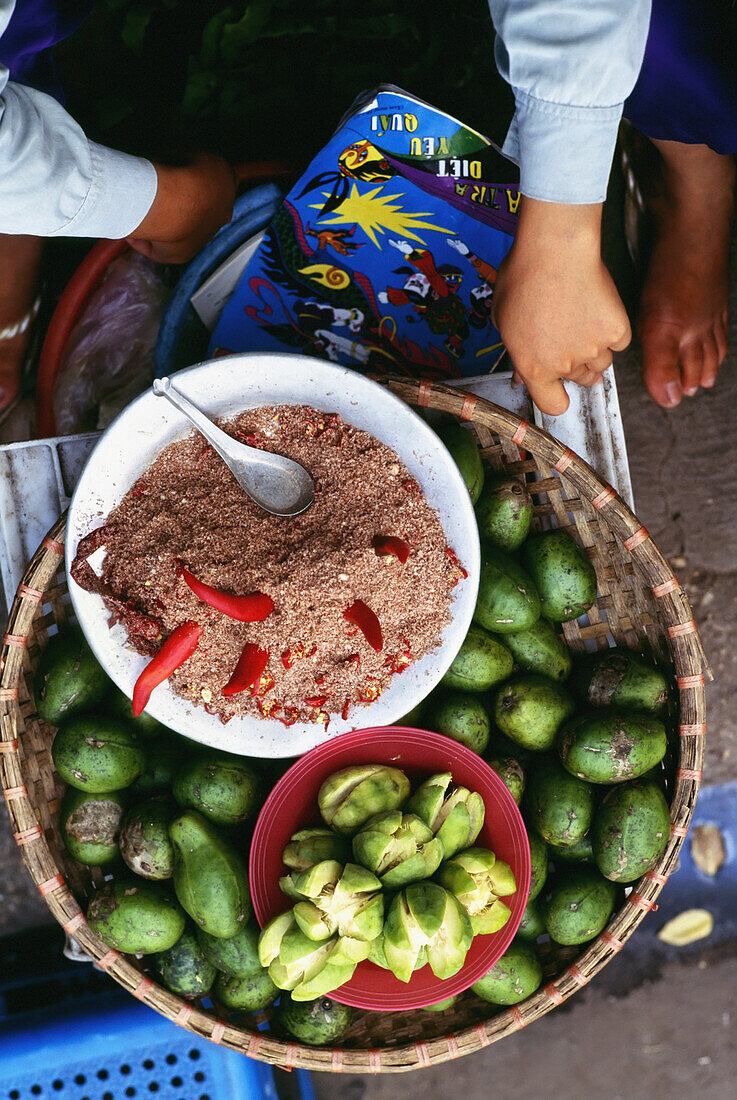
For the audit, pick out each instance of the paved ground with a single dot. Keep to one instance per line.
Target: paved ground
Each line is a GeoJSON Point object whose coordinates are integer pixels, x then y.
{"type": "Point", "coordinates": [673, 1035]}
{"type": "Point", "coordinates": [672, 1038]}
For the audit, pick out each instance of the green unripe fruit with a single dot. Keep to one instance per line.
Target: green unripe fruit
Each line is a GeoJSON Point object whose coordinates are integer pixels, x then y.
{"type": "Point", "coordinates": [249, 993]}
{"type": "Point", "coordinates": [90, 825]}
{"type": "Point", "coordinates": [510, 772]}
{"type": "Point", "coordinates": [349, 797]}
{"type": "Point", "coordinates": [236, 955]}
{"type": "Point", "coordinates": [516, 975]}
{"type": "Point", "coordinates": [464, 718]}
{"type": "Point", "coordinates": [580, 852]}
{"type": "Point", "coordinates": [144, 725]}
{"type": "Point", "coordinates": [508, 600]}
{"type": "Point", "coordinates": [481, 662]}
{"type": "Point", "coordinates": [539, 863]}
{"type": "Point", "coordinates": [578, 905]}
{"type": "Point", "coordinates": [69, 679]}
{"type": "Point", "coordinates": [611, 746]}
{"type": "Point", "coordinates": [559, 806]}
{"type": "Point", "coordinates": [532, 925]}
{"type": "Point", "coordinates": [222, 787]}
{"type": "Point", "coordinates": [504, 512]}
{"type": "Point", "coordinates": [413, 718]}
{"type": "Point", "coordinates": [530, 709]}
{"type": "Point", "coordinates": [562, 574]}
{"type": "Point", "coordinates": [317, 1023]}
{"type": "Point", "coordinates": [465, 453]}
{"type": "Point", "coordinates": [184, 969]}
{"type": "Point", "coordinates": [145, 844]}
{"type": "Point", "coordinates": [210, 878]}
{"type": "Point", "coordinates": [618, 678]}
{"type": "Point", "coordinates": [163, 757]}
{"type": "Point", "coordinates": [97, 754]}
{"type": "Point", "coordinates": [138, 918]}
{"type": "Point", "coordinates": [631, 830]}
{"type": "Point", "coordinates": [540, 649]}
{"type": "Point", "coordinates": [440, 1006]}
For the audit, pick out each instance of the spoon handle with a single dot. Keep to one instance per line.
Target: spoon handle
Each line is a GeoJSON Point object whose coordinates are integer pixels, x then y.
{"type": "Point", "coordinates": [218, 439]}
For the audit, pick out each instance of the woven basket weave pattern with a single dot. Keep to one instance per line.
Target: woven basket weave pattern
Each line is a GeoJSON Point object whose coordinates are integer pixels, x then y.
{"type": "Point", "coordinates": [639, 605]}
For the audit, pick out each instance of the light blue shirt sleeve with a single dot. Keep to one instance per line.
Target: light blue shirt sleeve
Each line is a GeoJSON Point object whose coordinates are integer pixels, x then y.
{"type": "Point", "coordinates": [571, 64]}
{"type": "Point", "coordinates": [53, 180]}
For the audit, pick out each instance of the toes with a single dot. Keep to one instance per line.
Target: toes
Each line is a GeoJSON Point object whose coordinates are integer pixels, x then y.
{"type": "Point", "coordinates": [692, 366]}
{"type": "Point", "coordinates": [721, 336]}
{"type": "Point", "coordinates": [660, 366]}
{"type": "Point", "coordinates": [712, 359]}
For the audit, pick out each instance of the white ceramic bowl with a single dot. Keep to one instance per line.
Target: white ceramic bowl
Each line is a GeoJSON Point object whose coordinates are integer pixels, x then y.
{"type": "Point", "coordinates": [224, 387]}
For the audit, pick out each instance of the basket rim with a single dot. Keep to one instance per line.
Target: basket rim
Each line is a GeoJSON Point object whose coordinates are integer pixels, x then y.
{"type": "Point", "coordinates": [691, 668]}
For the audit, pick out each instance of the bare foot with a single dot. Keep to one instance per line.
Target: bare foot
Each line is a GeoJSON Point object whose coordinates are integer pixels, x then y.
{"type": "Point", "coordinates": [683, 308]}
{"type": "Point", "coordinates": [19, 263]}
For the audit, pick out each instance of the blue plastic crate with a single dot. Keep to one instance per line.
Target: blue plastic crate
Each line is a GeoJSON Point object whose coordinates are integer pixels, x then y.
{"type": "Point", "coordinates": [123, 1053]}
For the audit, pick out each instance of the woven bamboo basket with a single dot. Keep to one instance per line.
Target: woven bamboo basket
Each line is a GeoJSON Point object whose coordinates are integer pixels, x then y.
{"type": "Point", "coordinates": [640, 605]}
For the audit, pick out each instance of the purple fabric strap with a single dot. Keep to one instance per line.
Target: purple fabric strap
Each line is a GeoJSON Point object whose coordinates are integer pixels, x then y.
{"type": "Point", "coordinates": [687, 87]}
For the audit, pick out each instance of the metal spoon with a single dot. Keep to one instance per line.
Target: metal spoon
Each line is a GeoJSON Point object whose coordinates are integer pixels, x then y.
{"type": "Point", "coordinates": [278, 485]}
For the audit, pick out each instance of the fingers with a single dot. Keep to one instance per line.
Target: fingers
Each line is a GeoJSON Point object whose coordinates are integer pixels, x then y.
{"type": "Point", "coordinates": [624, 340]}
{"type": "Point", "coordinates": [585, 376]}
{"type": "Point", "coordinates": [549, 395]}
{"type": "Point", "coordinates": [600, 362]}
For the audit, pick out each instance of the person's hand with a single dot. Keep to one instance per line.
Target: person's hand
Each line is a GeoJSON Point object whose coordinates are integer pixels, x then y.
{"type": "Point", "coordinates": [191, 204]}
{"type": "Point", "coordinates": [555, 304]}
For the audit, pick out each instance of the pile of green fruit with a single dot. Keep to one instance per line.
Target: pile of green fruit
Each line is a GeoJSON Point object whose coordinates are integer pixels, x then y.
{"type": "Point", "coordinates": [577, 739]}
{"type": "Point", "coordinates": [168, 820]}
{"type": "Point", "coordinates": [377, 838]}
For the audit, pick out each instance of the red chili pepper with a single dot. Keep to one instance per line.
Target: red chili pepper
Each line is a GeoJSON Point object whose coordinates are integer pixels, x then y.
{"type": "Point", "coordinates": [290, 717]}
{"type": "Point", "coordinates": [390, 544]}
{"type": "Point", "coordinates": [288, 658]}
{"type": "Point", "coordinates": [361, 615]}
{"type": "Point", "coordinates": [316, 700]}
{"type": "Point", "coordinates": [180, 645]}
{"type": "Point", "coordinates": [247, 672]}
{"type": "Point", "coordinates": [411, 486]}
{"type": "Point", "coordinates": [246, 609]}
{"type": "Point", "coordinates": [265, 684]}
{"type": "Point", "coordinates": [268, 709]}
{"type": "Point", "coordinates": [452, 555]}
{"type": "Point", "coordinates": [346, 708]}
{"type": "Point", "coordinates": [370, 691]}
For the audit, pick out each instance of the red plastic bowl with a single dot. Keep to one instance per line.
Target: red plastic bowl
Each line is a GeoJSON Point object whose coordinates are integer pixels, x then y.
{"type": "Point", "coordinates": [292, 805]}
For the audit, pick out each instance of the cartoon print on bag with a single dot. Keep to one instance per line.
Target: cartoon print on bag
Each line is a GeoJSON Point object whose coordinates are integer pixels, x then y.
{"type": "Point", "coordinates": [433, 294]}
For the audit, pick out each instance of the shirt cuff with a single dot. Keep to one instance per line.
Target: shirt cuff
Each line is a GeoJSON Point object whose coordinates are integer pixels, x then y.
{"type": "Point", "coordinates": [120, 195]}
{"type": "Point", "coordinates": [564, 153]}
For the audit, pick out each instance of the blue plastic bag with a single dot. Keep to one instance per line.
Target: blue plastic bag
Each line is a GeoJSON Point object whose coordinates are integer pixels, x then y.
{"type": "Point", "coordinates": [384, 255]}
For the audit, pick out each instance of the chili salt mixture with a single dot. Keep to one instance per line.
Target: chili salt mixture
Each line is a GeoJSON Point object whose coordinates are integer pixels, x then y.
{"type": "Point", "coordinates": [361, 583]}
